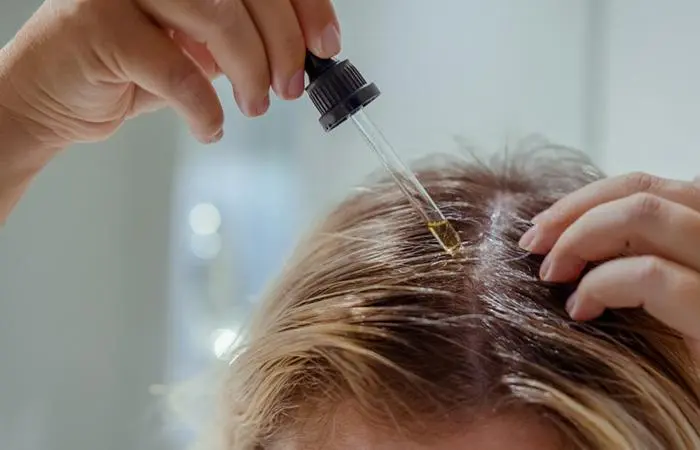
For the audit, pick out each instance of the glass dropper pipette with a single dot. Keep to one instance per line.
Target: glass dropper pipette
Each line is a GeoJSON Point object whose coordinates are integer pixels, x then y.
{"type": "Point", "coordinates": [339, 92]}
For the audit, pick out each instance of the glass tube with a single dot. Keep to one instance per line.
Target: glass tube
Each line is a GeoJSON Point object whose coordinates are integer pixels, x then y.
{"type": "Point", "coordinates": [414, 191]}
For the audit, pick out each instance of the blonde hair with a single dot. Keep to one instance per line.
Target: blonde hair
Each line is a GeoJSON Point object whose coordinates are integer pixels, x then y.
{"type": "Point", "coordinates": [373, 312]}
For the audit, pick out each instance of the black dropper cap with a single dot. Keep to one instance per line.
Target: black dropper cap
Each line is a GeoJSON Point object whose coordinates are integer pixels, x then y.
{"type": "Point", "coordinates": [337, 89]}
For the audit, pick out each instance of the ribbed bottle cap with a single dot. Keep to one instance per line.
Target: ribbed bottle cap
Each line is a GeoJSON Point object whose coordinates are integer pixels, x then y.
{"type": "Point", "coordinates": [337, 89]}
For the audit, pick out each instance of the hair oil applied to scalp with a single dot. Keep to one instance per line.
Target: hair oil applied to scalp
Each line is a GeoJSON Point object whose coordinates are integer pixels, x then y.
{"type": "Point", "coordinates": [414, 191]}
{"type": "Point", "coordinates": [448, 237]}
{"type": "Point", "coordinates": [340, 92]}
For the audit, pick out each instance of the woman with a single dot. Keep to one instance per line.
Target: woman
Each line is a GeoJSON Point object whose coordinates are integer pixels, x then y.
{"type": "Point", "coordinates": [375, 338]}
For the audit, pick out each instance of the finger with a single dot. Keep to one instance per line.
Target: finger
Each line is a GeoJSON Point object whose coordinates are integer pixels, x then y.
{"type": "Point", "coordinates": [284, 44]}
{"type": "Point", "coordinates": [666, 290]}
{"type": "Point", "coordinates": [641, 224]}
{"type": "Point", "coordinates": [145, 102]}
{"type": "Point", "coordinates": [199, 53]}
{"type": "Point", "coordinates": [158, 66]}
{"type": "Point", "coordinates": [319, 24]}
{"type": "Point", "coordinates": [551, 223]}
{"type": "Point", "coordinates": [228, 31]}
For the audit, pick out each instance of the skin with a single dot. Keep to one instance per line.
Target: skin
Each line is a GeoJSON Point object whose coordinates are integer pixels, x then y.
{"type": "Point", "coordinates": [79, 68]}
{"type": "Point", "coordinates": [655, 220]}
{"type": "Point", "coordinates": [348, 431]}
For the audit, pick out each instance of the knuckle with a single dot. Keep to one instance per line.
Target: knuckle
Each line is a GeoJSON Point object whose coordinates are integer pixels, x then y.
{"type": "Point", "coordinates": [651, 269]}
{"type": "Point", "coordinates": [183, 77]}
{"type": "Point", "coordinates": [644, 207]}
{"type": "Point", "coordinates": [641, 182]}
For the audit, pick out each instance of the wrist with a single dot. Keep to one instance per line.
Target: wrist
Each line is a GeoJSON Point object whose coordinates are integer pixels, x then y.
{"type": "Point", "coordinates": [22, 155]}
{"type": "Point", "coordinates": [26, 144]}
{"type": "Point", "coordinates": [22, 147]}
{"type": "Point", "coordinates": [22, 136]}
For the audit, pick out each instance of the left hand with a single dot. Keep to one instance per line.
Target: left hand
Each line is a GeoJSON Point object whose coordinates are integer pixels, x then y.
{"type": "Point", "coordinates": [654, 219]}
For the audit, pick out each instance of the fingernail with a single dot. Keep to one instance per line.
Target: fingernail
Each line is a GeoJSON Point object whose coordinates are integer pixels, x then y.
{"type": "Point", "coordinates": [262, 106]}
{"type": "Point", "coordinates": [242, 106]}
{"type": "Point", "coordinates": [217, 137]}
{"type": "Point", "coordinates": [538, 218]}
{"type": "Point", "coordinates": [571, 304]}
{"type": "Point", "coordinates": [257, 108]}
{"type": "Point", "coordinates": [214, 138]}
{"type": "Point", "coordinates": [296, 85]}
{"type": "Point", "coordinates": [330, 40]}
{"type": "Point", "coordinates": [527, 240]}
{"type": "Point", "coordinates": [544, 268]}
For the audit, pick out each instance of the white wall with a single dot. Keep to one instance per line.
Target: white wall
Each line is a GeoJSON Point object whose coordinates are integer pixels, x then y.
{"type": "Point", "coordinates": [82, 289]}
{"type": "Point", "coordinates": [490, 71]}
{"type": "Point", "coordinates": [653, 98]}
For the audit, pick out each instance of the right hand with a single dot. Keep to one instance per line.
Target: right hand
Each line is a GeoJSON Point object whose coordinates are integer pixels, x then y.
{"type": "Point", "coordinates": [79, 68]}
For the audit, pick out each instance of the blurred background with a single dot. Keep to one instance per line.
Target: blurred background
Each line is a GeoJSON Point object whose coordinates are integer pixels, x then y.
{"type": "Point", "coordinates": [132, 264]}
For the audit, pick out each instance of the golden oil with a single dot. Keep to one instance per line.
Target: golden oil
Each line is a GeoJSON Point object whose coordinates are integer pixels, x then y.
{"type": "Point", "coordinates": [448, 237]}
